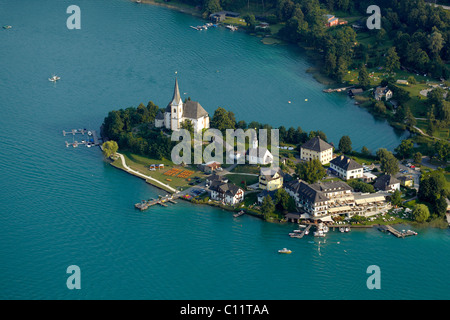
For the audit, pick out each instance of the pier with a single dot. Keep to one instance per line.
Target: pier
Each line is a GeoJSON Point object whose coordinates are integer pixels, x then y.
{"type": "Point", "coordinates": [301, 234]}
{"type": "Point", "coordinates": [398, 234]}
{"type": "Point", "coordinates": [92, 140]}
{"type": "Point", "coordinates": [162, 201]}
{"type": "Point", "coordinates": [338, 89]}
{"type": "Point", "coordinates": [240, 213]}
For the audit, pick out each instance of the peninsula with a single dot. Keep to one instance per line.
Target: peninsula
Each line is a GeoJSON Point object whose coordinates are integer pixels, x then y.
{"type": "Point", "coordinates": [312, 180]}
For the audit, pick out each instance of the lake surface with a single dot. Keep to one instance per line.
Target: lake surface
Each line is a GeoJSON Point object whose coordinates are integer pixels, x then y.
{"type": "Point", "coordinates": [63, 206]}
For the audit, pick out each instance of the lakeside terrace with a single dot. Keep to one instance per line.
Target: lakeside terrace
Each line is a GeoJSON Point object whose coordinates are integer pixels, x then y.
{"type": "Point", "coordinates": [326, 200]}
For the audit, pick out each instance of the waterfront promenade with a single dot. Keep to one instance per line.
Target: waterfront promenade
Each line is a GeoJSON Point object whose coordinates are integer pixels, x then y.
{"type": "Point", "coordinates": [145, 177]}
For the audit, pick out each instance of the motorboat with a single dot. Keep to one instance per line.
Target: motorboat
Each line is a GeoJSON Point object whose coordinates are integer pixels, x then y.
{"type": "Point", "coordinates": [54, 78]}
{"type": "Point", "coordinates": [7, 27]}
{"type": "Point", "coordinates": [319, 233]}
{"type": "Point", "coordinates": [284, 250]}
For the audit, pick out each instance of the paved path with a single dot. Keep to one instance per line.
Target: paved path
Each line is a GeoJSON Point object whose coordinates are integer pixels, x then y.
{"type": "Point", "coordinates": [424, 134]}
{"type": "Point", "coordinates": [137, 173]}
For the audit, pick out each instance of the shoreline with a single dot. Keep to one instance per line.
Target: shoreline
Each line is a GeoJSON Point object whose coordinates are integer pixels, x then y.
{"type": "Point", "coordinates": [187, 10]}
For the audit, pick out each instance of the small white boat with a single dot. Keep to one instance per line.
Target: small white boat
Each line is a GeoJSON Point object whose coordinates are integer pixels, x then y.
{"type": "Point", "coordinates": [7, 27]}
{"type": "Point", "coordinates": [301, 226]}
{"type": "Point", "coordinates": [319, 234]}
{"type": "Point", "coordinates": [54, 78]}
{"type": "Point", "coordinates": [284, 250]}
{"type": "Point", "coordinates": [347, 229]}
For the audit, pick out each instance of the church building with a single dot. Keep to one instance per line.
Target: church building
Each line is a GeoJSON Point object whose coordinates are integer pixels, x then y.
{"type": "Point", "coordinates": [178, 111]}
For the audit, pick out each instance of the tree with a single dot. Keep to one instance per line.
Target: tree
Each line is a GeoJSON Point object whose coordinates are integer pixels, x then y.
{"type": "Point", "coordinates": [342, 68]}
{"type": "Point", "coordinates": [396, 198]}
{"type": "Point", "coordinates": [330, 63]}
{"type": "Point", "coordinates": [436, 43]}
{"type": "Point", "coordinates": [109, 148]}
{"type": "Point", "coordinates": [417, 157]}
{"type": "Point", "coordinates": [440, 206]}
{"type": "Point", "coordinates": [409, 119]}
{"type": "Point", "coordinates": [222, 119]}
{"type": "Point", "coordinates": [282, 199]}
{"type": "Point", "coordinates": [365, 151]}
{"type": "Point", "coordinates": [345, 144]}
{"type": "Point", "coordinates": [379, 107]}
{"type": "Point", "coordinates": [211, 6]}
{"type": "Point", "coordinates": [432, 186]}
{"type": "Point", "coordinates": [405, 148]}
{"type": "Point", "coordinates": [389, 164]}
{"type": "Point", "coordinates": [420, 213]}
{"type": "Point", "coordinates": [310, 171]}
{"type": "Point", "coordinates": [187, 125]}
{"type": "Point", "coordinates": [152, 110]}
{"type": "Point", "coordinates": [392, 60]}
{"type": "Point", "coordinates": [250, 20]}
{"type": "Point", "coordinates": [442, 148]}
{"type": "Point", "coordinates": [360, 186]}
{"type": "Point", "coordinates": [267, 207]}
{"type": "Point", "coordinates": [364, 79]}
{"type": "Point", "coordinates": [412, 80]}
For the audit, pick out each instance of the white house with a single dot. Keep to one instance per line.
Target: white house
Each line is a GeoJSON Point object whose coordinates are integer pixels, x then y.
{"type": "Point", "coordinates": [381, 92]}
{"type": "Point", "coordinates": [387, 182]}
{"type": "Point", "coordinates": [178, 111]}
{"type": "Point", "coordinates": [258, 155]}
{"type": "Point", "coordinates": [227, 193]}
{"type": "Point", "coordinates": [316, 148]}
{"type": "Point", "coordinates": [346, 168]}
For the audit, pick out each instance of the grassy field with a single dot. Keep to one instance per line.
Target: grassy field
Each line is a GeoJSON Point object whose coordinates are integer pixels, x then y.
{"type": "Point", "coordinates": [238, 179]}
{"type": "Point", "coordinates": [141, 164]}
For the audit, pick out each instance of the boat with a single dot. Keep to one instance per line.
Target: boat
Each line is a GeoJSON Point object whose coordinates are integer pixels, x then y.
{"type": "Point", "coordinates": [240, 213]}
{"type": "Point", "coordinates": [319, 233]}
{"type": "Point", "coordinates": [347, 229]}
{"type": "Point", "coordinates": [7, 27]}
{"type": "Point", "coordinates": [341, 229]}
{"type": "Point", "coordinates": [297, 231]}
{"type": "Point", "coordinates": [232, 28]}
{"type": "Point", "coordinates": [301, 226]}
{"type": "Point", "coordinates": [54, 78]}
{"type": "Point", "coordinates": [284, 250]}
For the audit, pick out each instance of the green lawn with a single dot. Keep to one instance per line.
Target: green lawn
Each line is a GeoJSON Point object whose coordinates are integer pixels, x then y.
{"type": "Point", "coordinates": [141, 164]}
{"type": "Point", "coordinates": [237, 179]}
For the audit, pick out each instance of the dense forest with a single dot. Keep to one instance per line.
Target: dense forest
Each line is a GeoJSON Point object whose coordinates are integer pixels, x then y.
{"type": "Point", "coordinates": [418, 31]}
{"type": "Point", "coordinates": [132, 129]}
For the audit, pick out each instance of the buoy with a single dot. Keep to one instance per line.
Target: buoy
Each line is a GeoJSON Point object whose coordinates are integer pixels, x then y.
{"type": "Point", "coordinates": [306, 99]}
{"type": "Point", "coordinates": [289, 102]}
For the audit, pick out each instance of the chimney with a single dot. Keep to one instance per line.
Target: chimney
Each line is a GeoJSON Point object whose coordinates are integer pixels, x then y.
{"type": "Point", "coordinates": [342, 157]}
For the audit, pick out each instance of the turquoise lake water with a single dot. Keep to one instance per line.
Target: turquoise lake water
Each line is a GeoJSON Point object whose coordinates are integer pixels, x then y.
{"type": "Point", "coordinates": [63, 206]}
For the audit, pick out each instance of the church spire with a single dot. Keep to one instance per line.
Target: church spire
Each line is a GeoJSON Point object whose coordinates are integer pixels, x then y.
{"type": "Point", "coordinates": [176, 93]}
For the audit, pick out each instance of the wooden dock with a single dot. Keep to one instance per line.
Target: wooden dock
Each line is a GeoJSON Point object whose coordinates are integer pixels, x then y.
{"type": "Point", "coordinates": [300, 234]}
{"type": "Point", "coordinates": [92, 140]}
{"type": "Point", "coordinates": [338, 89]}
{"type": "Point", "coordinates": [162, 201]}
{"type": "Point", "coordinates": [240, 213]}
{"type": "Point", "coordinates": [398, 234]}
